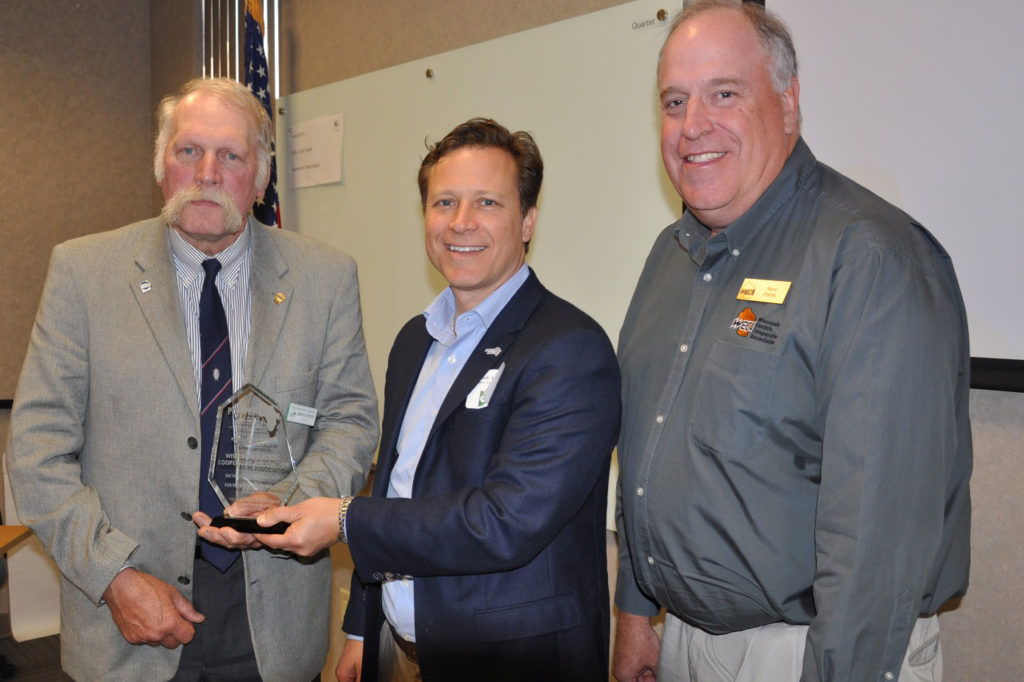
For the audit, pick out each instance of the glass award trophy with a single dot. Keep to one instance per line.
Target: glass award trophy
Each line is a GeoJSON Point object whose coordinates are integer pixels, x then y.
{"type": "Point", "coordinates": [256, 459]}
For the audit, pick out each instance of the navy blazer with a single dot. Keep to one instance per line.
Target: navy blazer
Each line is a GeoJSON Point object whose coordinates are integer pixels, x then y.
{"type": "Point", "coordinates": [505, 531]}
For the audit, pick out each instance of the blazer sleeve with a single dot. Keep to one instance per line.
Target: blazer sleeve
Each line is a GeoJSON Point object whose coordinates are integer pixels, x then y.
{"type": "Point", "coordinates": [47, 437]}
{"type": "Point", "coordinates": [543, 460]}
{"type": "Point", "coordinates": [353, 622]}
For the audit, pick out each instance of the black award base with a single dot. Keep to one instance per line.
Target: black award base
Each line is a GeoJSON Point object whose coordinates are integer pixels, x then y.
{"type": "Point", "coordinates": [248, 525]}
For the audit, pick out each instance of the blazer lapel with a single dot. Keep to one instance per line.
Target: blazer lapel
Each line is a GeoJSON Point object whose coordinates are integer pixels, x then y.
{"type": "Point", "coordinates": [501, 335]}
{"type": "Point", "coordinates": [269, 283]}
{"type": "Point", "coordinates": [154, 285]}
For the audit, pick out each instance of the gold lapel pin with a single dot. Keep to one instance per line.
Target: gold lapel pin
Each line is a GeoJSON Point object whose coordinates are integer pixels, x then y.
{"type": "Point", "coordinates": [279, 297]}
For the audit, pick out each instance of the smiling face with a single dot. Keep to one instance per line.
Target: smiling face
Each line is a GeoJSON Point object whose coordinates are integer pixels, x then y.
{"type": "Point", "coordinates": [210, 171]}
{"type": "Point", "coordinates": [725, 131]}
{"type": "Point", "coordinates": [475, 228]}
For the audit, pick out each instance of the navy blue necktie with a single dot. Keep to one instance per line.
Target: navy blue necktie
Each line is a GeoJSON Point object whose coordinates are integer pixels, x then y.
{"type": "Point", "coordinates": [215, 388]}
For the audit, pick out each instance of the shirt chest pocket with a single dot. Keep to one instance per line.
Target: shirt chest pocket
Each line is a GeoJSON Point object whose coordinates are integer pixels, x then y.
{"type": "Point", "coordinates": [733, 404]}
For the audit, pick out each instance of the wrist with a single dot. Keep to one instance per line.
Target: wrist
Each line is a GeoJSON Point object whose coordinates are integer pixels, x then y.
{"type": "Point", "coordinates": [343, 518]}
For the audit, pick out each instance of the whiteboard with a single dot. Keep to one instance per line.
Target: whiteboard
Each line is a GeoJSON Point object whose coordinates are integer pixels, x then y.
{"type": "Point", "coordinates": [584, 87]}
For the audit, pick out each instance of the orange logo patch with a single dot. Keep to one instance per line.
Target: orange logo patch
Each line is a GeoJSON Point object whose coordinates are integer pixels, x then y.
{"type": "Point", "coordinates": [744, 322]}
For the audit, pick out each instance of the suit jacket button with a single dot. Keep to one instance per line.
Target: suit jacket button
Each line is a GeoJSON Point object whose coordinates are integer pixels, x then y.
{"type": "Point", "coordinates": [183, 579]}
{"type": "Point", "coordinates": [378, 576]}
{"type": "Point", "coordinates": [186, 516]}
{"type": "Point", "coordinates": [192, 443]}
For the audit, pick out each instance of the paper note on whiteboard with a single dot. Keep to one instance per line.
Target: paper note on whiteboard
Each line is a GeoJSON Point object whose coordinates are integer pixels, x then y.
{"type": "Point", "coordinates": [315, 148]}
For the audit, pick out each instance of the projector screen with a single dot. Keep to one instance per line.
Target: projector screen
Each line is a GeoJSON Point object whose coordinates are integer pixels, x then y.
{"type": "Point", "coordinates": [920, 101]}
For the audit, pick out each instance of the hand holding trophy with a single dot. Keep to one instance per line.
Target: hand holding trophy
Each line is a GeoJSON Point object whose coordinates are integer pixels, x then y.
{"type": "Point", "coordinates": [258, 458]}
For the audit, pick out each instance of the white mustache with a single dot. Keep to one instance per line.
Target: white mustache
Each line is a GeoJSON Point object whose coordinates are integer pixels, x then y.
{"type": "Point", "coordinates": [174, 206]}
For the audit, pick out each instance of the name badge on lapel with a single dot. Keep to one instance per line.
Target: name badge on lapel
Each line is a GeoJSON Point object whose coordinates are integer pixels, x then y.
{"type": "Point", "coordinates": [481, 394]}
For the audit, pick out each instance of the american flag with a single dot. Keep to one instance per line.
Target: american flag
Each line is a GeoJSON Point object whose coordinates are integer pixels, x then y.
{"type": "Point", "coordinates": [267, 209]}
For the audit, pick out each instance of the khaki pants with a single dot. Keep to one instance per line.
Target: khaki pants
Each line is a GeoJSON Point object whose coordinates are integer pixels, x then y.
{"type": "Point", "coordinates": [772, 653]}
{"type": "Point", "coordinates": [395, 666]}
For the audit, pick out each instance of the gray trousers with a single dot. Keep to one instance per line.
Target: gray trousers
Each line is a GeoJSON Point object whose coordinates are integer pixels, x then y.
{"type": "Point", "coordinates": [772, 653]}
{"type": "Point", "coordinates": [222, 648]}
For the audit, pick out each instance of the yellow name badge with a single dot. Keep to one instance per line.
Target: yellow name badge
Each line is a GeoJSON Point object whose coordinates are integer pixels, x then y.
{"type": "Point", "coordinates": [763, 290]}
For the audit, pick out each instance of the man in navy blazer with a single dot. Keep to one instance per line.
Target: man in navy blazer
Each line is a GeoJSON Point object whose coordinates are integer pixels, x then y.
{"type": "Point", "coordinates": [481, 554]}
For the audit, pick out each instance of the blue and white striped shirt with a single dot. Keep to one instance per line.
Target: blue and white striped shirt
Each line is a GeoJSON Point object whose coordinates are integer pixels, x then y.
{"type": "Point", "coordinates": [233, 287]}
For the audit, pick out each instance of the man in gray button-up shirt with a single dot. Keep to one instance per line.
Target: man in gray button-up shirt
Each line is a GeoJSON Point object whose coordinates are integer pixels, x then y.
{"type": "Point", "coordinates": [795, 448]}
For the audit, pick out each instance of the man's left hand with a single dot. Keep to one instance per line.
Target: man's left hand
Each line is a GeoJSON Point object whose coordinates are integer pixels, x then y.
{"type": "Point", "coordinates": [314, 526]}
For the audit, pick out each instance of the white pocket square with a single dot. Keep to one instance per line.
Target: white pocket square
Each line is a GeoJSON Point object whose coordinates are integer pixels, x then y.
{"type": "Point", "coordinates": [481, 394]}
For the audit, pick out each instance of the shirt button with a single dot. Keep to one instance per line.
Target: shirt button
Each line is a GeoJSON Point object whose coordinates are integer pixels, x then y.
{"type": "Point", "coordinates": [735, 252]}
{"type": "Point", "coordinates": [640, 491]}
{"type": "Point", "coordinates": [889, 676]}
{"type": "Point", "coordinates": [451, 359]}
{"type": "Point", "coordinates": [707, 276]}
{"type": "Point", "coordinates": [650, 560]}
{"type": "Point", "coordinates": [683, 348]}
{"type": "Point", "coordinates": [659, 419]}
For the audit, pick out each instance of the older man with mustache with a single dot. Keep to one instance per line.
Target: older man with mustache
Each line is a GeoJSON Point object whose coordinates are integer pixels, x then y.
{"type": "Point", "coordinates": [108, 441]}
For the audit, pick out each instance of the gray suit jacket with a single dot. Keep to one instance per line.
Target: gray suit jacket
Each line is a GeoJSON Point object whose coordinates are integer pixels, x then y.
{"type": "Point", "coordinates": [103, 451]}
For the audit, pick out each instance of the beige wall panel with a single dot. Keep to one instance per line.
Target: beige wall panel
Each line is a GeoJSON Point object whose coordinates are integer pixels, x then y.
{"type": "Point", "coordinates": [323, 41]}
{"type": "Point", "coordinates": [74, 131]}
{"type": "Point", "coordinates": [983, 639]}
{"type": "Point", "coordinates": [175, 45]}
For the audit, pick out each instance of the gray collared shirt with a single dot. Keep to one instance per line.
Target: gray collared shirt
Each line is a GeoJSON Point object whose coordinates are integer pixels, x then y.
{"type": "Point", "coordinates": [801, 459]}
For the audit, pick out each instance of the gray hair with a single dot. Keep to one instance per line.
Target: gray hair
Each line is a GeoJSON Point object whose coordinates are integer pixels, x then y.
{"type": "Point", "coordinates": [774, 35]}
{"type": "Point", "coordinates": [231, 93]}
